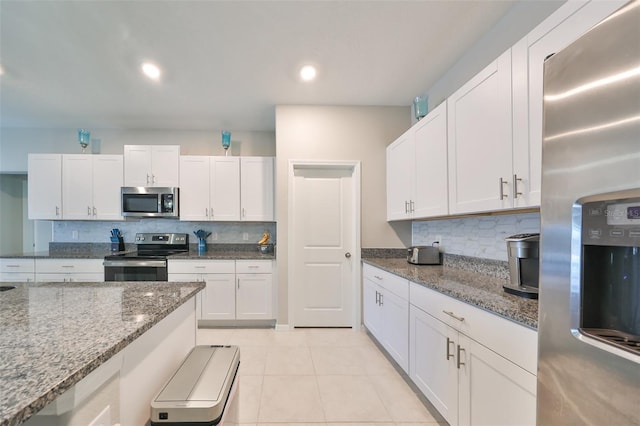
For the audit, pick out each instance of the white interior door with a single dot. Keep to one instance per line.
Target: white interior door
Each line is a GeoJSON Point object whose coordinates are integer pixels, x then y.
{"type": "Point", "coordinates": [323, 246]}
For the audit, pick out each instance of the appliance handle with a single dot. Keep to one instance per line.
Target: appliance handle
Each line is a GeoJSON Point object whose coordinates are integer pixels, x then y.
{"type": "Point", "coordinates": [135, 263]}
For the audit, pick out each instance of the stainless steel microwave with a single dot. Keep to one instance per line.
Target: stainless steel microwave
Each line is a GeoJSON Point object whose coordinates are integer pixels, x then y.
{"type": "Point", "coordinates": [142, 201]}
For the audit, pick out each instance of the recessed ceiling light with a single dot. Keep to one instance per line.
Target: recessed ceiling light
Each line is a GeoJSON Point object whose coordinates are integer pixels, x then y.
{"type": "Point", "coordinates": [307, 73]}
{"type": "Point", "coordinates": [151, 70]}
{"type": "Point", "coordinates": [1, 70]}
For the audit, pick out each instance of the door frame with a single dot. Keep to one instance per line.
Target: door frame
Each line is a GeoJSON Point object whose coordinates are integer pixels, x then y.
{"type": "Point", "coordinates": [354, 167]}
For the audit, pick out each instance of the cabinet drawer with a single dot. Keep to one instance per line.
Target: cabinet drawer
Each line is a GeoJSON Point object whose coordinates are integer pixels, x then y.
{"type": "Point", "coordinates": [16, 277]}
{"type": "Point", "coordinates": [393, 283]}
{"type": "Point", "coordinates": [515, 342]}
{"type": "Point", "coordinates": [253, 266]}
{"type": "Point", "coordinates": [202, 266]}
{"type": "Point", "coordinates": [17, 265]}
{"type": "Point", "coordinates": [70, 266]}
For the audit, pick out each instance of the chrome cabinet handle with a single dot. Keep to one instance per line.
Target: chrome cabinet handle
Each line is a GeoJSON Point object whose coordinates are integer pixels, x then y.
{"type": "Point", "coordinates": [211, 212]}
{"type": "Point", "coordinates": [449, 355]}
{"type": "Point", "coordinates": [88, 211]}
{"type": "Point", "coordinates": [153, 178]}
{"type": "Point", "coordinates": [377, 277]}
{"type": "Point", "coordinates": [244, 213]}
{"type": "Point", "coordinates": [377, 298]}
{"type": "Point", "coordinates": [502, 193]}
{"type": "Point", "coordinates": [516, 179]}
{"type": "Point", "coordinates": [206, 212]}
{"type": "Point", "coordinates": [460, 349]}
{"type": "Point", "coordinates": [381, 299]}
{"type": "Point", "coordinates": [57, 211]}
{"type": "Point", "coordinates": [452, 315]}
{"type": "Point", "coordinates": [147, 178]}
{"type": "Point", "coordinates": [412, 206]}
{"type": "Point", "coordinates": [95, 211]}
{"type": "Point", "coordinates": [238, 283]}
{"type": "Point", "coordinates": [406, 207]}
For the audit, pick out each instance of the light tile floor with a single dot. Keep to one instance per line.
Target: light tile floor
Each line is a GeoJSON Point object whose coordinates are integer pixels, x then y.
{"type": "Point", "coordinates": [318, 377]}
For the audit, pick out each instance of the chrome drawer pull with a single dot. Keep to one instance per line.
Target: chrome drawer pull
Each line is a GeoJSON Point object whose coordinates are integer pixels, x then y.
{"type": "Point", "coordinates": [377, 277]}
{"type": "Point", "coordinates": [452, 315]}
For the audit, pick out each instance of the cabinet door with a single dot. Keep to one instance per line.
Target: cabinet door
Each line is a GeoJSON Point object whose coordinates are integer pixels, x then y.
{"type": "Point", "coordinates": [479, 141]}
{"type": "Point", "coordinates": [253, 296]}
{"type": "Point", "coordinates": [137, 165]}
{"type": "Point", "coordinates": [370, 307]}
{"type": "Point", "coordinates": [431, 180]}
{"type": "Point", "coordinates": [493, 390]}
{"type": "Point", "coordinates": [194, 187]}
{"type": "Point", "coordinates": [395, 327]}
{"type": "Point", "coordinates": [400, 176]}
{"type": "Point", "coordinates": [45, 186]}
{"type": "Point", "coordinates": [563, 27]}
{"type": "Point", "coordinates": [225, 188]}
{"type": "Point", "coordinates": [432, 362]}
{"type": "Point", "coordinates": [256, 189]}
{"type": "Point", "coordinates": [107, 181]}
{"type": "Point", "coordinates": [77, 187]}
{"type": "Point", "coordinates": [165, 160]}
{"type": "Point", "coordinates": [219, 297]}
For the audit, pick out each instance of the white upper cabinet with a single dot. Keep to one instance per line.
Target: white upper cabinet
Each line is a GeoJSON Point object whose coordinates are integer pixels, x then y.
{"type": "Point", "coordinates": [417, 169]}
{"type": "Point", "coordinates": [430, 136]}
{"type": "Point", "coordinates": [226, 188]}
{"type": "Point", "coordinates": [209, 188]}
{"type": "Point", "coordinates": [151, 165]}
{"type": "Point", "coordinates": [479, 141]}
{"type": "Point", "coordinates": [564, 26]}
{"type": "Point", "coordinates": [256, 188]}
{"type": "Point", "coordinates": [400, 177]}
{"type": "Point", "coordinates": [45, 186]}
{"type": "Point", "coordinates": [91, 186]}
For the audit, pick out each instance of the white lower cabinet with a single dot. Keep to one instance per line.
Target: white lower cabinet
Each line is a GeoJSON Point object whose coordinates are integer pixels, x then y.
{"type": "Point", "coordinates": [69, 270]}
{"type": "Point", "coordinates": [17, 270]}
{"type": "Point", "coordinates": [386, 312]}
{"type": "Point", "coordinates": [474, 367]}
{"type": "Point", "coordinates": [239, 289]}
{"type": "Point", "coordinates": [254, 298]}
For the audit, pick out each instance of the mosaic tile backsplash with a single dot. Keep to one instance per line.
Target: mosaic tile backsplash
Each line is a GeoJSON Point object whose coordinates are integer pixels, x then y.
{"type": "Point", "coordinates": [221, 232]}
{"type": "Point", "coordinates": [478, 236]}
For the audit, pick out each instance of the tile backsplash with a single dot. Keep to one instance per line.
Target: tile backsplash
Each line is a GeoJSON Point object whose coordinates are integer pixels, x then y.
{"type": "Point", "coordinates": [477, 236]}
{"type": "Point", "coordinates": [221, 232]}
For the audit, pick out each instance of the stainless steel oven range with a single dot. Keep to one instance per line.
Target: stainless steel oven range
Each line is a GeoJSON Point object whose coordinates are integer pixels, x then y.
{"type": "Point", "coordinates": [149, 262]}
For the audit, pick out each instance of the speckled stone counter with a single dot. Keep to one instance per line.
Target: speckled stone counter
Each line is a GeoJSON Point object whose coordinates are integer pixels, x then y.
{"type": "Point", "coordinates": [477, 289]}
{"type": "Point", "coordinates": [99, 251]}
{"type": "Point", "coordinates": [55, 334]}
{"type": "Point", "coordinates": [225, 253]}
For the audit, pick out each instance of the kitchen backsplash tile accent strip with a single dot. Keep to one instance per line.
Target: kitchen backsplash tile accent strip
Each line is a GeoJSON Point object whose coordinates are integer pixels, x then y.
{"type": "Point", "coordinates": [478, 236]}
{"type": "Point", "coordinates": [221, 232]}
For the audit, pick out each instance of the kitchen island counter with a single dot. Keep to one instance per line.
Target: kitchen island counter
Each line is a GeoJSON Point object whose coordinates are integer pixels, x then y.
{"type": "Point", "coordinates": [477, 289]}
{"type": "Point", "coordinates": [55, 334]}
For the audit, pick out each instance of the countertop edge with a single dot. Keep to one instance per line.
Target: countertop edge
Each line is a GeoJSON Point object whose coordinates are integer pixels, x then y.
{"type": "Point", "coordinates": [508, 314]}
{"type": "Point", "coordinates": [41, 402]}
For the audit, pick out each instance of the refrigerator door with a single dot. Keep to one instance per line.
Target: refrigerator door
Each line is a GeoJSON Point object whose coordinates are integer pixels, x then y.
{"type": "Point", "coordinates": [591, 146]}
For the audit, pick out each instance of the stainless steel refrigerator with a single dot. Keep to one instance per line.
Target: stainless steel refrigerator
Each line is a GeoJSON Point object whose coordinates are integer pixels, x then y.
{"type": "Point", "coordinates": [589, 321]}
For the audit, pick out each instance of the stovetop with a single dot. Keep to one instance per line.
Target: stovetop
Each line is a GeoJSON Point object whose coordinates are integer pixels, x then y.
{"type": "Point", "coordinates": [155, 246]}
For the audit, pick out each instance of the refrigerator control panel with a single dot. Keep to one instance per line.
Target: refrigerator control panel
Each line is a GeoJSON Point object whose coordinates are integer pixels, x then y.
{"type": "Point", "coordinates": [611, 222]}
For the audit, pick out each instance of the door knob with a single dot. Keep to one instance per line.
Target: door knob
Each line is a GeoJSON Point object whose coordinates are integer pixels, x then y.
{"type": "Point", "coordinates": [347, 255]}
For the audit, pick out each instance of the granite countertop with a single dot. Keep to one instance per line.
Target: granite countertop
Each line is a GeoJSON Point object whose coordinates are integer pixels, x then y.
{"type": "Point", "coordinates": [55, 334]}
{"type": "Point", "coordinates": [477, 289]}
{"type": "Point", "coordinates": [99, 251]}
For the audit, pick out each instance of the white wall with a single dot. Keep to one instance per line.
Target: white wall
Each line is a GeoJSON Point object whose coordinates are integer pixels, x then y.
{"type": "Point", "coordinates": [339, 133]}
{"type": "Point", "coordinates": [16, 143]}
{"type": "Point", "coordinates": [517, 23]}
{"type": "Point", "coordinates": [11, 213]}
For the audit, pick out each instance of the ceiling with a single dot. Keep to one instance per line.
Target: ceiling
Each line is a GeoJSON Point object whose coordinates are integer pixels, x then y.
{"type": "Point", "coordinates": [225, 64]}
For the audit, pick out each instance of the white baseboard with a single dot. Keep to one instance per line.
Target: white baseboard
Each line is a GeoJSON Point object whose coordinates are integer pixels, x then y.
{"type": "Point", "coordinates": [282, 327]}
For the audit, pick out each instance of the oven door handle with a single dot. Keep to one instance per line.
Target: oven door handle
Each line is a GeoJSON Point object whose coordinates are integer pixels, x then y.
{"type": "Point", "coordinates": [135, 263]}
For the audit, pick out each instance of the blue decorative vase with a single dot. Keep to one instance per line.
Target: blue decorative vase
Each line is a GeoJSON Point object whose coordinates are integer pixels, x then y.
{"type": "Point", "coordinates": [202, 245]}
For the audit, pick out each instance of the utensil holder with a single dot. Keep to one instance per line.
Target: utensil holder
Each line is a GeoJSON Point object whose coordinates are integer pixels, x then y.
{"type": "Point", "coordinates": [202, 245]}
{"type": "Point", "coordinates": [117, 244]}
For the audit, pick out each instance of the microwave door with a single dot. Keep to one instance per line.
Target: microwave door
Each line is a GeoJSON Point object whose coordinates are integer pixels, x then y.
{"type": "Point", "coordinates": [140, 203]}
